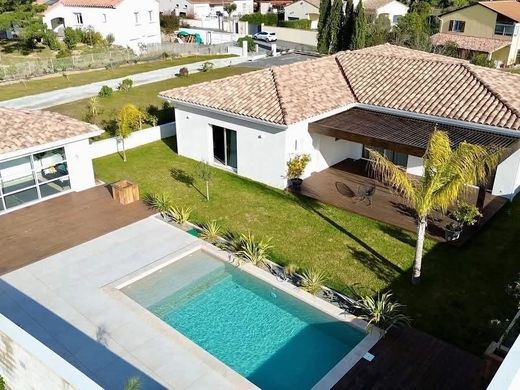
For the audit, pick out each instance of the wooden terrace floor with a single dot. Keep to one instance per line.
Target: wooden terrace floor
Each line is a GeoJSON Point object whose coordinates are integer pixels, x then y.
{"type": "Point", "coordinates": [385, 206]}
{"type": "Point", "coordinates": [44, 229]}
{"type": "Point", "coordinates": [408, 359]}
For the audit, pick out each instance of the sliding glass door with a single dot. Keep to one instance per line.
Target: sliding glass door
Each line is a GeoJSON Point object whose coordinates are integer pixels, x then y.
{"type": "Point", "coordinates": [225, 146]}
{"type": "Point", "coordinates": [397, 158]}
{"type": "Point", "coordinates": [33, 177]}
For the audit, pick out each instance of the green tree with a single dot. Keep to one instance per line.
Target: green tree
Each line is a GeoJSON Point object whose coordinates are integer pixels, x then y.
{"type": "Point", "coordinates": [230, 8]}
{"type": "Point", "coordinates": [378, 32]}
{"type": "Point", "coordinates": [324, 27]}
{"type": "Point", "coordinates": [23, 14]}
{"type": "Point", "coordinates": [336, 20]}
{"type": "Point", "coordinates": [129, 119]}
{"type": "Point", "coordinates": [360, 28]}
{"type": "Point", "coordinates": [413, 29]}
{"type": "Point", "coordinates": [348, 25]}
{"type": "Point", "coordinates": [447, 173]}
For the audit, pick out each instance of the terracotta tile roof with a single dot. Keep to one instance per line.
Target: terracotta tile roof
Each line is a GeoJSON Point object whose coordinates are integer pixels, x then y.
{"type": "Point", "coordinates": [21, 129]}
{"type": "Point", "coordinates": [485, 45]}
{"type": "Point", "coordinates": [386, 76]}
{"type": "Point", "coordinates": [511, 9]}
{"type": "Point", "coordinates": [91, 3]}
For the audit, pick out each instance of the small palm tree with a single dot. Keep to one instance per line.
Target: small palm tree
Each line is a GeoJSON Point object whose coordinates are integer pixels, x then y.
{"type": "Point", "coordinates": [211, 232]}
{"type": "Point", "coordinates": [381, 311]}
{"type": "Point", "coordinates": [252, 250]}
{"type": "Point", "coordinates": [181, 215]}
{"type": "Point", "coordinates": [313, 280]}
{"type": "Point", "coordinates": [447, 173]}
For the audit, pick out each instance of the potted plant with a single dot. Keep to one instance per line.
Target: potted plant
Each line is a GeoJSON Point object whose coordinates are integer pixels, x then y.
{"type": "Point", "coordinates": [295, 168]}
{"type": "Point", "coordinates": [465, 214]}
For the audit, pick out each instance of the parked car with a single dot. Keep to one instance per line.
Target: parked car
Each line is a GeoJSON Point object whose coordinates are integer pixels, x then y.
{"type": "Point", "coordinates": [265, 36]}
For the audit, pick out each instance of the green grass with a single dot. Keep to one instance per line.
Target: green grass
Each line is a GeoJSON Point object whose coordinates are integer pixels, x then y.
{"type": "Point", "coordinates": [11, 91]}
{"type": "Point", "coordinates": [462, 289]}
{"type": "Point", "coordinates": [144, 96]}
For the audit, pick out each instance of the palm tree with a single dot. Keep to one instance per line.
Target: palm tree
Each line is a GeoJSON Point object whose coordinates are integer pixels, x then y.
{"type": "Point", "coordinates": [447, 173]}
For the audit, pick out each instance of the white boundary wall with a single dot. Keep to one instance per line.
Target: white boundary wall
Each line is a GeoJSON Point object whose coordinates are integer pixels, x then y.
{"type": "Point", "coordinates": [137, 138]}
{"type": "Point", "coordinates": [26, 364]}
{"type": "Point", "coordinates": [303, 37]}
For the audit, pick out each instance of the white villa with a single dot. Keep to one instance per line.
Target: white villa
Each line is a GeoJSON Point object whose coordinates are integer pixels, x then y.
{"type": "Point", "coordinates": [50, 159]}
{"type": "Point", "coordinates": [332, 108]}
{"type": "Point", "coordinates": [131, 22]}
{"type": "Point", "coordinates": [202, 9]}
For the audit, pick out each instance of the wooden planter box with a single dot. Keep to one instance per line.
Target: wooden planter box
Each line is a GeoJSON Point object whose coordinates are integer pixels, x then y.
{"type": "Point", "coordinates": [125, 191]}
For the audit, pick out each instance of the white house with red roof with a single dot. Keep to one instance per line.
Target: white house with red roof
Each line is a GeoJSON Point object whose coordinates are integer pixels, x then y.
{"type": "Point", "coordinates": [334, 108]}
{"type": "Point", "coordinates": [131, 22]}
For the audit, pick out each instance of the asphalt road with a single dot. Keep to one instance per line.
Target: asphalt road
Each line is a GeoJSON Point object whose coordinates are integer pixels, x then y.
{"type": "Point", "coordinates": [284, 45]}
{"type": "Point", "coordinates": [283, 59]}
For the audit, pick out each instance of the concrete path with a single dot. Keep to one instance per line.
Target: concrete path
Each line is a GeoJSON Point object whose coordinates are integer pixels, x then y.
{"type": "Point", "coordinates": [61, 96]}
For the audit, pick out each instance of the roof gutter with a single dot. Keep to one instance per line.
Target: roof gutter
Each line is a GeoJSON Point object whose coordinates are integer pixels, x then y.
{"type": "Point", "coordinates": [225, 113]}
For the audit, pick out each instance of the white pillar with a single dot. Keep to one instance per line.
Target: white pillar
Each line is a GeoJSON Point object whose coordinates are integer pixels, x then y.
{"type": "Point", "coordinates": [244, 48]}
{"type": "Point", "coordinates": [273, 49]}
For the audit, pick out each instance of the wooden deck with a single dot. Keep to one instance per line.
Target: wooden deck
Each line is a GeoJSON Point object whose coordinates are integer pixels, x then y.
{"type": "Point", "coordinates": [385, 206]}
{"type": "Point", "coordinates": [49, 227]}
{"type": "Point", "coordinates": [408, 359]}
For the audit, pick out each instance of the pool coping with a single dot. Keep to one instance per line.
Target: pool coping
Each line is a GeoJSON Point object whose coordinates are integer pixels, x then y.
{"type": "Point", "coordinates": [372, 335]}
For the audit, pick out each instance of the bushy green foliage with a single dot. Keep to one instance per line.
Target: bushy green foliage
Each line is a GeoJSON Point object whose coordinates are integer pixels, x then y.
{"type": "Point", "coordinates": [230, 8]}
{"type": "Point", "coordinates": [184, 72]}
{"type": "Point", "coordinates": [63, 52]}
{"type": "Point", "coordinates": [482, 60]}
{"type": "Point", "coordinates": [324, 27]}
{"type": "Point", "coordinates": [296, 165]}
{"type": "Point", "coordinates": [336, 20]}
{"type": "Point", "coordinates": [382, 311]}
{"type": "Point", "coordinates": [50, 40]}
{"type": "Point", "coordinates": [450, 49]}
{"type": "Point", "coordinates": [72, 37]}
{"type": "Point", "coordinates": [313, 280]}
{"type": "Point", "coordinates": [250, 43]}
{"type": "Point", "coordinates": [413, 29]}
{"type": "Point", "coordinates": [269, 19]}
{"type": "Point", "coordinates": [360, 27]}
{"type": "Point", "coordinates": [169, 23]}
{"type": "Point", "coordinates": [105, 91]}
{"type": "Point", "coordinates": [378, 32]}
{"type": "Point", "coordinates": [125, 85]}
{"type": "Point", "coordinates": [207, 66]}
{"type": "Point", "coordinates": [301, 24]}
{"type": "Point", "coordinates": [92, 38]}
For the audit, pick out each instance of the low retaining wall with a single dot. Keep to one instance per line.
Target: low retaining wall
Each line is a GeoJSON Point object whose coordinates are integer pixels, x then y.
{"type": "Point", "coordinates": [25, 363]}
{"type": "Point", "coordinates": [137, 138]}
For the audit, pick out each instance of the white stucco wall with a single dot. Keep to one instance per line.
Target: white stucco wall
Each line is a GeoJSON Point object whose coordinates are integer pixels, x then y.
{"type": "Point", "coordinates": [393, 10]}
{"type": "Point", "coordinates": [300, 10]}
{"type": "Point", "coordinates": [26, 364]}
{"type": "Point", "coordinates": [415, 166]}
{"type": "Point", "coordinates": [119, 21]}
{"type": "Point", "coordinates": [79, 164]}
{"type": "Point", "coordinates": [260, 148]}
{"type": "Point", "coordinates": [507, 178]}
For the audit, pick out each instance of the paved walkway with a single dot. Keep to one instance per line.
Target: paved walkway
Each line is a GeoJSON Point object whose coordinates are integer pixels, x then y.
{"type": "Point", "coordinates": [62, 96]}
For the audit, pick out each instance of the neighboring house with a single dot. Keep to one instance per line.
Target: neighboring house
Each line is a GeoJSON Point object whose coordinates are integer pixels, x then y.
{"type": "Point", "coordinates": [392, 9]}
{"type": "Point", "coordinates": [304, 9]}
{"type": "Point", "coordinates": [310, 9]}
{"type": "Point", "coordinates": [202, 9]}
{"type": "Point", "coordinates": [131, 22]}
{"type": "Point", "coordinates": [333, 108]}
{"type": "Point", "coordinates": [42, 155]}
{"type": "Point", "coordinates": [489, 27]}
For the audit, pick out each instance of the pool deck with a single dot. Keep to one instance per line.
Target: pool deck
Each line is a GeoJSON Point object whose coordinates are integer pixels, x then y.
{"type": "Point", "coordinates": [72, 303]}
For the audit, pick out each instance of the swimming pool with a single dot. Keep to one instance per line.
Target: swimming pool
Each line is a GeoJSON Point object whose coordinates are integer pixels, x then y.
{"type": "Point", "coordinates": [273, 339]}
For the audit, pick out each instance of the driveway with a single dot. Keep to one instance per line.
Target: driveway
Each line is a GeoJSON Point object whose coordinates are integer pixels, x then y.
{"type": "Point", "coordinates": [284, 45]}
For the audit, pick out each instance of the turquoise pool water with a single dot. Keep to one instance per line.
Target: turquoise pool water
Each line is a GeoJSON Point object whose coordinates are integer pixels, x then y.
{"type": "Point", "coordinates": [271, 338]}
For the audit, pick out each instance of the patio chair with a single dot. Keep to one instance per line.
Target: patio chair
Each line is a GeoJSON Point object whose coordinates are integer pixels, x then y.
{"type": "Point", "coordinates": [366, 192]}
{"type": "Point", "coordinates": [344, 190]}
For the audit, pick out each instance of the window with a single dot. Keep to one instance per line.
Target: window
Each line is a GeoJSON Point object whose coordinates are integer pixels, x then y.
{"type": "Point", "coordinates": [397, 158]}
{"type": "Point", "coordinates": [79, 18]}
{"type": "Point", "coordinates": [136, 16]}
{"type": "Point", "coordinates": [225, 146]}
{"type": "Point", "coordinates": [504, 29]}
{"type": "Point", "coordinates": [150, 16]}
{"type": "Point", "coordinates": [457, 26]}
{"type": "Point", "coordinates": [395, 19]}
{"type": "Point", "coordinates": [104, 18]}
{"type": "Point", "coordinates": [33, 177]}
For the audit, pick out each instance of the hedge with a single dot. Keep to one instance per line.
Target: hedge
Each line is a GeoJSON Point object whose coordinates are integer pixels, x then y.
{"type": "Point", "coordinates": [267, 19]}
{"type": "Point", "coordinates": [302, 24]}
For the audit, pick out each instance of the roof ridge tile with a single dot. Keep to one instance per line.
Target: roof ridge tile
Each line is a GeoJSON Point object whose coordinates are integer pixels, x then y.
{"type": "Point", "coordinates": [279, 96]}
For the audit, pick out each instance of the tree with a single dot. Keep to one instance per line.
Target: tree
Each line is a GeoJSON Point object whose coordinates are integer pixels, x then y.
{"type": "Point", "coordinates": [378, 32]}
{"type": "Point", "coordinates": [23, 14]}
{"type": "Point", "coordinates": [348, 25]}
{"type": "Point", "coordinates": [413, 29]}
{"type": "Point", "coordinates": [447, 173]}
{"type": "Point", "coordinates": [129, 119]}
{"type": "Point", "coordinates": [324, 27]}
{"type": "Point", "coordinates": [336, 20]}
{"type": "Point", "coordinates": [360, 27]}
{"type": "Point", "coordinates": [230, 8]}
{"type": "Point", "coordinates": [206, 175]}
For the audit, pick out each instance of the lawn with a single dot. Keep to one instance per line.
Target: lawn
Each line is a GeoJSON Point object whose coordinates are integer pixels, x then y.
{"type": "Point", "coordinates": [144, 97]}
{"type": "Point", "coordinates": [462, 290]}
{"type": "Point", "coordinates": [11, 91]}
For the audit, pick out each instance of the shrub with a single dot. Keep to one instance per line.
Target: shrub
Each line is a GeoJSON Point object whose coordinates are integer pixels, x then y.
{"type": "Point", "coordinates": [125, 85]}
{"type": "Point", "coordinates": [312, 281]}
{"type": "Point", "coordinates": [63, 52]}
{"type": "Point", "coordinates": [184, 72]}
{"type": "Point", "coordinates": [290, 269]}
{"type": "Point", "coordinates": [160, 202]}
{"type": "Point", "coordinates": [169, 23]}
{"type": "Point", "coordinates": [110, 38]}
{"type": "Point", "coordinates": [296, 165]}
{"type": "Point", "coordinates": [251, 45]}
{"type": "Point", "coordinates": [105, 91]}
{"type": "Point", "coordinates": [482, 60]}
{"type": "Point", "coordinates": [207, 66]}
{"type": "Point", "coordinates": [269, 19]}
{"type": "Point", "coordinates": [381, 311]}
{"type": "Point", "coordinates": [92, 38]}
{"type": "Point", "coordinates": [211, 232]}
{"type": "Point", "coordinates": [50, 39]}
{"type": "Point", "coordinates": [253, 251]}
{"type": "Point", "coordinates": [180, 215]}
{"type": "Point", "coordinates": [72, 37]}
{"type": "Point", "coordinates": [302, 24]}
{"type": "Point", "coordinates": [466, 214]}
